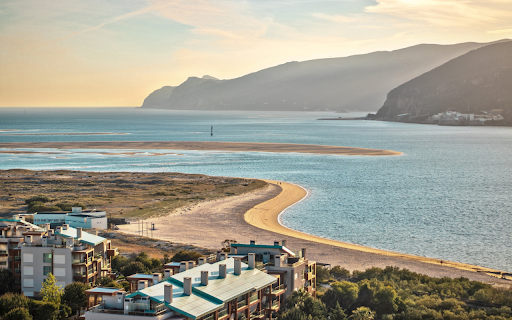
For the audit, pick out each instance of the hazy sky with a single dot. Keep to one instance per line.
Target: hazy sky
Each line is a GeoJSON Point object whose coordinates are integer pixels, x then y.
{"type": "Point", "coordinates": [116, 52]}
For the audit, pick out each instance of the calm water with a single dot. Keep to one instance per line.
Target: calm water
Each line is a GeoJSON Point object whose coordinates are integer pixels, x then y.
{"type": "Point", "coordinates": [447, 197]}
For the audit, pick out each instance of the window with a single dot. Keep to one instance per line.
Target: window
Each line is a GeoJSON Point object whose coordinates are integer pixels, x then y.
{"type": "Point", "coordinates": [28, 270]}
{"type": "Point", "coordinates": [28, 283]}
{"type": "Point", "coordinates": [47, 270]}
{"type": "Point", "coordinates": [59, 259]}
{"type": "Point", "coordinates": [47, 257]}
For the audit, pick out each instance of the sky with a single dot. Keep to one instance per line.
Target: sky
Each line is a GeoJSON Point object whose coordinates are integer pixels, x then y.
{"type": "Point", "coordinates": [116, 52]}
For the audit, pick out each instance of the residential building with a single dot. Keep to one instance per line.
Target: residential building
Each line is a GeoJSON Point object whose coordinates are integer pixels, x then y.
{"type": "Point", "coordinates": [70, 254]}
{"type": "Point", "coordinates": [11, 236]}
{"type": "Point", "coordinates": [76, 218]}
{"type": "Point", "coordinates": [227, 289]}
{"type": "Point", "coordinates": [294, 270]}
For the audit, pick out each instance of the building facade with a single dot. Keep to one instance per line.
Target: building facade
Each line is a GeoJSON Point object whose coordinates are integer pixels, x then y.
{"type": "Point", "coordinates": [76, 218]}
{"type": "Point", "coordinates": [70, 254]}
{"type": "Point", "coordinates": [227, 289]}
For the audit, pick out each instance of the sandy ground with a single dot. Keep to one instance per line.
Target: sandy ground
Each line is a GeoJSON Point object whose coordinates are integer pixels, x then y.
{"type": "Point", "coordinates": [205, 145]}
{"type": "Point", "coordinates": [254, 216]}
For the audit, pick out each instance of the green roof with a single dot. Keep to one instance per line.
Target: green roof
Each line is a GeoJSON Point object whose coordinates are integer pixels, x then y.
{"type": "Point", "coordinates": [206, 299]}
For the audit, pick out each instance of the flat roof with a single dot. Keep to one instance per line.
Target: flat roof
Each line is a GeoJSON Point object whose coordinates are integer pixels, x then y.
{"type": "Point", "coordinates": [173, 264]}
{"type": "Point", "coordinates": [103, 290]}
{"type": "Point", "coordinates": [141, 276]}
{"type": "Point", "coordinates": [86, 237]}
{"type": "Point", "coordinates": [264, 246]}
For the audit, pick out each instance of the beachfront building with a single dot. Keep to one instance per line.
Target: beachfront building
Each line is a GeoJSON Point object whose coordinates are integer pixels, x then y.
{"type": "Point", "coordinates": [76, 218]}
{"type": "Point", "coordinates": [70, 254]}
{"type": "Point", "coordinates": [294, 270]}
{"type": "Point", "coordinates": [227, 289]}
{"type": "Point", "coordinates": [11, 238]}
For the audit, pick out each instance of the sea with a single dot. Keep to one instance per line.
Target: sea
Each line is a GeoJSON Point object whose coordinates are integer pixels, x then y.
{"type": "Point", "coordinates": [447, 197]}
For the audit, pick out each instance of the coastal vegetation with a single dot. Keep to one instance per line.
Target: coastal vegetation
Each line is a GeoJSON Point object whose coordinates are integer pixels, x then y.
{"type": "Point", "coordinates": [393, 293]}
{"type": "Point", "coordinates": [123, 195]}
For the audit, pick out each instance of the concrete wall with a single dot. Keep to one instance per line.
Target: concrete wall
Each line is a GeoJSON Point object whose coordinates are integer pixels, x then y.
{"type": "Point", "coordinates": [32, 270]}
{"type": "Point", "coordinates": [87, 222]}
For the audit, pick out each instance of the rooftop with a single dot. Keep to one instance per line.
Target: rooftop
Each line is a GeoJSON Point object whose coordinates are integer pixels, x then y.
{"type": "Point", "coordinates": [86, 237]}
{"type": "Point", "coordinates": [208, 298]}
{"type": "Point", "coordinates": [104, 290]}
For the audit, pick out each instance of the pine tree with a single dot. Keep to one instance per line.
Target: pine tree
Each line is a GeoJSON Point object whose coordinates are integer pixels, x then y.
{"type": "Point", "coordinates": [50, 291]}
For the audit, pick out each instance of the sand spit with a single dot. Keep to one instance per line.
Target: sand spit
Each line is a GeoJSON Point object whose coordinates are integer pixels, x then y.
{"type": "Point", "coordinates": [206, 145]}
{"type": "Point", "coordinates": [254, 216]}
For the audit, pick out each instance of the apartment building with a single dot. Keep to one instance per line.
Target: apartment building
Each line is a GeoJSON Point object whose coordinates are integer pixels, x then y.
{"type": "Point", "coordinates": [294, 270]}
{"type": "Point", "coordinates": [227, 289]}
{"type": "Point", "coordinates": [70, 254]}
{"type": "Point", "coordinates": [11, 236]}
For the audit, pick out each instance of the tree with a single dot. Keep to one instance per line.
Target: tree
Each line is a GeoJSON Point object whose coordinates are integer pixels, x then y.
{"type": "Point", "coordinates": [104, 281]}
{"type": "Point", "coordinates": [294, 314]}
{"type": "Point", "coordinates": [6, 281]}
{"type": "Point", "coordinates": [322, 274]}
{"type": "Point", "coordinates": [185, 255]}
{"type": "Point", "coordinates": [134, 267]}
{"type": "Point", "coordinates": [362, 313]}
{"type": "Point", "coordinates": [17, 314]}
{"type": "Point", "coordinates": [119, 261]}
{"type": "Point", "coordinates": [39, 198]}
{"type": "Point", "coordinates": [9, 301]}
{"type": "Point", "coordinates": [343, 292]}
{"type": "Point", "coordinates": [166, 258]}
{"type": "Point", "coordinates": [42, 310]}
{"type": "Point", "coordinates": [338, 313]}
{"type": "Point", "coordinates": [50, 291]}
{"type": "Point", "coordinates": [340, 272]}
{"type": "Point", "coordinates": [155, 263]}
{"type": "Point", "coordinates": [74, 296]}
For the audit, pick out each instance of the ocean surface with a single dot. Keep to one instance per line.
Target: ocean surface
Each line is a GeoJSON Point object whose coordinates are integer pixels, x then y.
{"type": "Point", "coordinates": [446, 197]}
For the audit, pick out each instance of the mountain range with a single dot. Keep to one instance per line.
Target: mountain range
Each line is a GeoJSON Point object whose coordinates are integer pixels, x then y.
{"type": "Point", "coordinates": [476, 82]}
{"type": "Point", "coordinates": [356, 83]}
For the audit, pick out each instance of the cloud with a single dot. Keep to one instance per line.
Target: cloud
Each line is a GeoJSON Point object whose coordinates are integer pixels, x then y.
{"type": "Point", "coordinates": [333, 18]}
{"type": "Point", "coordinates": [446, 13]}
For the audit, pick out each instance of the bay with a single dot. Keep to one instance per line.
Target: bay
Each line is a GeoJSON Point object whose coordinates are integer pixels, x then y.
{"type": "Point", "coordinates": [446, 197]}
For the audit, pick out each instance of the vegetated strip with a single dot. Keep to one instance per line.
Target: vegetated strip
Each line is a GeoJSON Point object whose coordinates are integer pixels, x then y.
{"type": "Point", "coordinates": [266, 216]}
{"type": "Point", "coordinates": [206, 145]}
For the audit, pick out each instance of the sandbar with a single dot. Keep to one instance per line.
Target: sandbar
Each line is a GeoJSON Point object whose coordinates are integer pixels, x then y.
{"type": "Point", "coordinates": [206, 145]}
{"type": "Point", "coordinates": [254, 216]}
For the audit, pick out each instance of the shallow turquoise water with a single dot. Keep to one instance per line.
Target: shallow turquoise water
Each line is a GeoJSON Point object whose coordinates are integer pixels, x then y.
{"type": "Point", "coordinates": [447, 197]}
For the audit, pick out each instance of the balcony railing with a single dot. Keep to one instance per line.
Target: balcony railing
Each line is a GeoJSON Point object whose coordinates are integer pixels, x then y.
{"type": "Point", "coordinates": [242, 304]}
{"type": "Point", "coordinates": [253, 298]}
{"type": "Point", "coordinates": [258, 314]}
{"type": "Point", "coordinates": [210, 317]}
{"type": "Point", "coordinates": [274, 305]}
{"type": "Point", "coordinates": [79, 274]}
{"type": "Point", "coordinates": [17, 271]}
{"type": "Point", "coordinates": [223, 313]}
{"type": "Point", "coordinates": [79, 261]}
{"type": "Point", "coordinates": [3, 251]}
{"type": "Point", "coordinates": [17, 258]}
{"type": "Point", "coordinates": [278, 289]}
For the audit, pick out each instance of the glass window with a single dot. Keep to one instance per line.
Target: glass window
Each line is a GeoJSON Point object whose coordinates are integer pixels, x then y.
{"type": "Point", "coordinates": [47, 270]}
{"type": "Point", "coordinates": [47, 257]}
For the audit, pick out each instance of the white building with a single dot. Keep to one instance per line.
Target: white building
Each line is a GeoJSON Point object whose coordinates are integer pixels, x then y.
{"type": "Point", "coordinates": [76, 218]}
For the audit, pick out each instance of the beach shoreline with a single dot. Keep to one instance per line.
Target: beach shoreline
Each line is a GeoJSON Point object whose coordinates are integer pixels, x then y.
{"type": "Point", "coordinates": [255, 216]}
{"type": "Point", "coordinates": [204, 146]}
{"type": "Point", "coordinates": [267, 216]}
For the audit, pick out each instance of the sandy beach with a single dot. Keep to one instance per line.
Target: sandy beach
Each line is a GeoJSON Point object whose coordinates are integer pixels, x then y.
{"type": "Point", "coordinates": [205, 145]}
{"type": "Point", "coordinates": [254, 216]}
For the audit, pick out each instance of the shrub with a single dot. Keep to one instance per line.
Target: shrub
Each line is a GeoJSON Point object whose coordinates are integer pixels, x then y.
{"type": "Point", "coordinates": [186, 255]}
{"type": "Point", "coordinates": [39, 198]}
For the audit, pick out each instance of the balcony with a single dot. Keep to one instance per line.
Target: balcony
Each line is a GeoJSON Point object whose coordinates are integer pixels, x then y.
{"type": "Point", "coordinates": [17, 258]}
{"type": "Point", "coordinates": [309, 275]}
{"type": "Point", "coordinates": [79, 275]}
{"type": "Point", "coordinates": [79, 261]}
{"type": "Point", "coordinates": [223, 313]}
{"type": "Point", "coordinates": [258, 314]}
{"type": "Point", "coordinates": [3, 252]}
{"type": "Point", "coordinates": [17, 271]}
{"type": "Point", "coordinates": [277, 290]}
{"type": "Point", "coordinates": [241, 304]}
{"type": "Point", "coordinates": [253, 298]}
{"type": "Point", "coordinates": [274, 306]}
{"type": "Point", "coordinates": [210, 317]}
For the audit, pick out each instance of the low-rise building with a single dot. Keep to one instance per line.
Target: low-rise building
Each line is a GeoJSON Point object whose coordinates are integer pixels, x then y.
{"type": "Point", "coordinates": [227, 289]}
{"type": "Point", "coordinates": [294, 270]}
{"type": "Point", "coordinates": [76, 218]}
